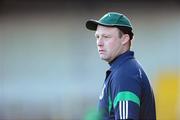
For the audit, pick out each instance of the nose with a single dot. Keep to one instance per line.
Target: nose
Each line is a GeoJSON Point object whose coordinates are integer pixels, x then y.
{"type": "Point", "coordinates": [100, 41]}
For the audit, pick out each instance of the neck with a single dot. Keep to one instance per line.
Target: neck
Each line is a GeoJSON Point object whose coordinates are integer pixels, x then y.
{"type": "Point", "coordinates": [122, 52]}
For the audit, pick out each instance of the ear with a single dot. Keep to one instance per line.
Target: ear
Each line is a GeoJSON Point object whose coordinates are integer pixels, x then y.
{"type": "Point", "coordinates": [125, 38]}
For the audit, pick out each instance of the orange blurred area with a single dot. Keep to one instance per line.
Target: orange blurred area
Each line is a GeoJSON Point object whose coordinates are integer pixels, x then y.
{"type": "Point", "coordinates": [167, 95]}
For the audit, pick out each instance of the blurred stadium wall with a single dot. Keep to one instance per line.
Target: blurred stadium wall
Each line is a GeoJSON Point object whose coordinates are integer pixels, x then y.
{"type": "Point", "coordinates": [49, 65]}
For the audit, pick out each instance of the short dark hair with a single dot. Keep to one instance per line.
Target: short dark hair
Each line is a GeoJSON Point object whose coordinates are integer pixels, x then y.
{"type": "Point", "coordinates": [127, 30]}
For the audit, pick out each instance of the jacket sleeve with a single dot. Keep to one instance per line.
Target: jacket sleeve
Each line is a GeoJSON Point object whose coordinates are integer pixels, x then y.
{"type": "Point", "coordinates": [126, 96]}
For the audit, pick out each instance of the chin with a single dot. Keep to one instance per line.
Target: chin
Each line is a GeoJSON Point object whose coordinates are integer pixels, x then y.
{"type": "Point", "coordinates": [105, 59]}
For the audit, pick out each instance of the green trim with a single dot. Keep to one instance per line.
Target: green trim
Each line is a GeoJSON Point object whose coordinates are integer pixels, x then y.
{"type": "Point", "coordinates": [110, 104]}
{"type": "Point", "coordinates": [126, 95]}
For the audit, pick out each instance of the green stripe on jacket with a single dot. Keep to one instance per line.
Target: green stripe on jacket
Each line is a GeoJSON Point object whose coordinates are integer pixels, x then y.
{"type": "Point", "coordinates": [126, 96]}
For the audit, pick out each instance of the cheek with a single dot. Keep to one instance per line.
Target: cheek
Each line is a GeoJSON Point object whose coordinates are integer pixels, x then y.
{"type": "Point", "coordinates": [112, 45]}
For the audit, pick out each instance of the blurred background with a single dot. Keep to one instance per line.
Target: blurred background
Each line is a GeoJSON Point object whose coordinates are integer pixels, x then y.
{"type": "Point", "coordinates": [49, 65]}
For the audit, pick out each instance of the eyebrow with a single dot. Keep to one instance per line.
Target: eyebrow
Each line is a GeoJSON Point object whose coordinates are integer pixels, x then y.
{"type": "Point", "coordinates": [96, 33]}
{"type": "Point", "coordinates": [103, 34]}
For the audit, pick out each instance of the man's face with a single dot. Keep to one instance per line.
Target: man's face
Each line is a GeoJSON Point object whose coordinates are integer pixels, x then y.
{"type": "Point", "coordinates": [109, 42]}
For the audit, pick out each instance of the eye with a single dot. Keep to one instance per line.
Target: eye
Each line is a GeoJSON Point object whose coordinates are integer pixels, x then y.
{"type": "Point", "coordinates": [96, 36]}
{"type": "Point", "coordinates": [107, 36]}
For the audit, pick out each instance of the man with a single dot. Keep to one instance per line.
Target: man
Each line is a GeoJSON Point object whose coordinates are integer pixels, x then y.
{"type": "Point", "coordinates": [126, 93]}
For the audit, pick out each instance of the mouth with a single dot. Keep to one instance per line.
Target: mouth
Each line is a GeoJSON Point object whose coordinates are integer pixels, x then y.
{"type": "Point", "coordinates": [101, 51]}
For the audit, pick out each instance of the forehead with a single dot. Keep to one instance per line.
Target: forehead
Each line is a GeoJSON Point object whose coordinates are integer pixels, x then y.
{"type": "Point", "coordinates": [106, 30]}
